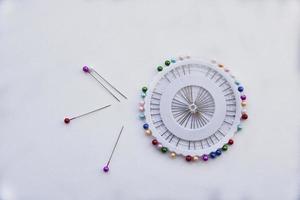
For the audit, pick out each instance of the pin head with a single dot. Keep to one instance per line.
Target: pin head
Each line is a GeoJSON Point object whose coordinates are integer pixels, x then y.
{"type": "Point", "coordinates": [205, 157]}
{"type": "Point", "coordinates": [244, 116]}
{"type": "Point", "coordinates": [105, 168]}
{"type": "Point", "coordinates": [146, 126]}
{"type": "Point", "coordinates": [86, 69]}
{"type": "Point", "coordinates": [230, 142]}
{"type": "Point", "coordinates": [243, 97]}
{"type": "Point", "coordinates": [67, 120]}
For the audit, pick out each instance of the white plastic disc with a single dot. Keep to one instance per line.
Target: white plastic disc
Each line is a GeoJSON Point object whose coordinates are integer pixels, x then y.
{"type": "Point", "coordinates": [193, 107]}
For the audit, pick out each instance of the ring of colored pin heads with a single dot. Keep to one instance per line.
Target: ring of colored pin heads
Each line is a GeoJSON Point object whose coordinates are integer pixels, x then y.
{"type": "Point", "coordinates": [191, 158]}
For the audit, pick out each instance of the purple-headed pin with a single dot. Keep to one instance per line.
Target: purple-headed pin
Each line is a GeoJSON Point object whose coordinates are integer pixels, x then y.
{"type": "Point", "coordinates": [106, 167]}
{"type": "Point", "coordinates": [86, 69]}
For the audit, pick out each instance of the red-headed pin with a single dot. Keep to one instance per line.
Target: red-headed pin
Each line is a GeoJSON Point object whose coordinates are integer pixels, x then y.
{"type": "Point", "coordinates": [68, 120]}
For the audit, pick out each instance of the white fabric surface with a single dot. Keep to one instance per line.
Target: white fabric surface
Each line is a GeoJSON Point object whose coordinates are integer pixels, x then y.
{"type": "Point", "coordinates": [44, 44]}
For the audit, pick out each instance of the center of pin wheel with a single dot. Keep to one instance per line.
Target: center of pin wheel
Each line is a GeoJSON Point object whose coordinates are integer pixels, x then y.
{"type": "Point", "coordinates": [193, 108]}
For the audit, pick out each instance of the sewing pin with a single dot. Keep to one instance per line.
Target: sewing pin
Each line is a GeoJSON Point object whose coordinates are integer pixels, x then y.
{"type": "Point", "coordinates": [67, 120]}
{"type": "Point", "coordinates": [88, 70]}
{"type": "Point", "coordinates": [109, 83]}
{"type": "Point", "coordinates": [106, 167]}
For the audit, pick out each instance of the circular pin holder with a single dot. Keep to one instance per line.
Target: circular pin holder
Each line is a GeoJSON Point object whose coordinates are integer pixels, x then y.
{"type": "Point", "coordinates": [192, 109]}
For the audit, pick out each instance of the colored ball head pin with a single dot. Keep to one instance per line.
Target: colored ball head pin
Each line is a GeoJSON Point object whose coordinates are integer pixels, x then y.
{"type": "Point", "coordinates": [67, 120]}
{"type": "Point", "coordinates": [106, 167]}
{"type": "Point", "coordinates": [100, 78]}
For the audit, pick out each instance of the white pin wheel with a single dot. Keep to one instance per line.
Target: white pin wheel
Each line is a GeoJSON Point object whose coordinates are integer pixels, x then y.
{"type": "Point", "coordinates": [192, 108]}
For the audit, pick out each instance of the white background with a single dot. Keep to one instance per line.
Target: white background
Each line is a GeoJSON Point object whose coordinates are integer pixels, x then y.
{"type": "Point", "coordinates": [44, 44]}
